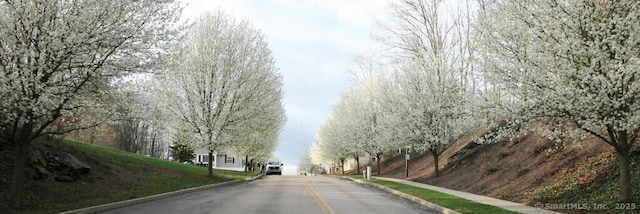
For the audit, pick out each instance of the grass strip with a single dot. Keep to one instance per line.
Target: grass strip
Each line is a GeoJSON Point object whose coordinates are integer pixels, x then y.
{"type": "Point", "coordinates": [164, 175]}
{"type": "Point", "coordinates": [449, 201]}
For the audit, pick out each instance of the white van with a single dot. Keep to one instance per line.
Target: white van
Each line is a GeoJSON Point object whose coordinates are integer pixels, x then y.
{"type": "Point", "coordinates": [274, 168]}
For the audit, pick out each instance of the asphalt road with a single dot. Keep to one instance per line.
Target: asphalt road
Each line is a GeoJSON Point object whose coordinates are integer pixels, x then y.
{"type": "Point", "coordinates": [283, 194]}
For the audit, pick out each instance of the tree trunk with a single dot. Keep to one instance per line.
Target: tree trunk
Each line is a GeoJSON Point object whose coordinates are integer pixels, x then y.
{"type": "Point", "coordinates": [625, 177]}
{"type": "Point", "coordinates": [246, 163]}
{"type": "Point", "coordinates": [92, 137]}
{"type": "Point", "coordinates": [210, 174]}
{"type": "Point", "coordinates": [17, 187]}
{"type": "Point", "coordinates": [153, 145]}
{"type": "Point", "coordinates": [357, 165]}
{"type": "Point", "coordinates": [342, 163]}
{"type": "Point", "coordinates": [435, 163]}
{"type": "Point", "coordinates": [622, 145]}
{"type": "Point", "coordinates": [378, 156]}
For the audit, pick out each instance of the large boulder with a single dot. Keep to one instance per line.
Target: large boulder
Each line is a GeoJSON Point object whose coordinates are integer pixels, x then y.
{"type": "Point", "coordinates": [70, 168]}
{"type": "Point", "coordinates": [59, 166]}
{"type": "Point", "coordinates": [76, 165]}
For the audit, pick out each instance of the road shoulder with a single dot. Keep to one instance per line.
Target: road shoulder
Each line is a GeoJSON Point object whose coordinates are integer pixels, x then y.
{"type": "Point", "coordinates": [405, 196]}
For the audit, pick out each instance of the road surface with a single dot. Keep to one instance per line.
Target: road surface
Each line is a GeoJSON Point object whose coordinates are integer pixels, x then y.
{"type": "Point", "coordinates": [283, 194]}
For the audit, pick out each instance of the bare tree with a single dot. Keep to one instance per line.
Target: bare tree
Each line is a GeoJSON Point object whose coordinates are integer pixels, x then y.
{"type": "Point", "coordinates": [57, 58]}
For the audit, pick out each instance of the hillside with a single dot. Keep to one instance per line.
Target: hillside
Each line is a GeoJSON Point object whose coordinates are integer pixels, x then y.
{"type": "Point", "coordinates": [113, 175]}
{"type": "Point", "coordinates": [528, 170]}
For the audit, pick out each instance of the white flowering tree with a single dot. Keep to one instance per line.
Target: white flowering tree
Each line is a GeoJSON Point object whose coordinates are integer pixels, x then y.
{"type": "Point", "coordinates": [355, 128]}
{"type": "Point", "coordinates": [57, 58]}
{"type": "Point", "coordinates": [330, 142]}
{"type": "Point", "coordinates": [318, 159]}
{"type": "Point", "coordinates": [430, 92]}
{"type": "Point", "coordinates": [368, 73]}
{"type": "Point", "coordinates": [219, 77]}
{"type": "Point", "coordinates": [428, 113]}
{"type": "Point", "coordinates": [304, 163]}
{"type": "Point", "coordinates": [162, 123]}
{"type": "Point", "coordinates": [351, 122]}
{"type": "Point", "coordinates": [141, 120]}
{"type": "Point", "coordinates": [370, 119]}
{"type": "Point", "coordinates": [257, 137]}
{"type": "Point", "coordinates": [313, 161]}
{"type": "Point", "coordinates": [572, 66]}
{"type": "Point", "coordinates": [256, 125]}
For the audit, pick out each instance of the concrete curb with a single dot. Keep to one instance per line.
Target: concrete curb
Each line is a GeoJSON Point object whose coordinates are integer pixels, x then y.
{"type": "Point", "coordinates": [114, 205]}
{"type": "Point", "coordinates": [406, 196]}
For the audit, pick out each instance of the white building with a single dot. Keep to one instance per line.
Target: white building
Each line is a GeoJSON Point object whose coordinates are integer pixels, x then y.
{"type": "Point", "coordinates": [220, 161]}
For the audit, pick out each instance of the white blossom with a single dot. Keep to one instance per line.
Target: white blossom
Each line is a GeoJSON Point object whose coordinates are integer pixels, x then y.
{"type": "Point", "coordinates": [569, 70]}
{"type": "Point", "coordinates": [225, 85]}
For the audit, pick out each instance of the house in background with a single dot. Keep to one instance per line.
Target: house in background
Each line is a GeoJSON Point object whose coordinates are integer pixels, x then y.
{"type": "Point", "coordinates": [229, 162]}
{"type": "Point", "coordinates": [220, 161]}
{"type": "Point", "coordinates": [203, 159]}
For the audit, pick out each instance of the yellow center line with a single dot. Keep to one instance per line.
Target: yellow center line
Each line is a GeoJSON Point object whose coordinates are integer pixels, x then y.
{"type": "Point", "coordinates": [326, 209]}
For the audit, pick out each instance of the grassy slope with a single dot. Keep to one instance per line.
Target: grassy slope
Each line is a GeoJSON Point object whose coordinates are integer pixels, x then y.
{"type": "Point", "coordinates": [159, 175]}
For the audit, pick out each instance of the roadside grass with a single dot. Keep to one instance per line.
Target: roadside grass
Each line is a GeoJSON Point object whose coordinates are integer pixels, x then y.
{"type": "Point", "coordinates": [163, 175]}
{"type": "Point", "coordinates": [449, 201]}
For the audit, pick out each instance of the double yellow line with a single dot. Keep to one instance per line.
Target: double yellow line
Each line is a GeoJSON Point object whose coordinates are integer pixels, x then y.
{"type": "Point", "coordinates": [326, 209]}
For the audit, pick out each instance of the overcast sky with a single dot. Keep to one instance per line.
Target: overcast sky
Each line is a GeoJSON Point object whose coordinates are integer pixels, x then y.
{"type": "Point", "coordinates": [314, 42]}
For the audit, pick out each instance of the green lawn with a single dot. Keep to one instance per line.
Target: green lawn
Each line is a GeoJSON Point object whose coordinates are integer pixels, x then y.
{"type": "Point", "coordinates": [128, 159]}
{"type": "Point", "coordinates": [445, 200]}
{"type": "Point", "coordinates": [163, 175]}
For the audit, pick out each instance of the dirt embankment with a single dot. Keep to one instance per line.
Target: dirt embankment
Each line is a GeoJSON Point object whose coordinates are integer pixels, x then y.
{"type": "Point", "coordinates": [528, 170]}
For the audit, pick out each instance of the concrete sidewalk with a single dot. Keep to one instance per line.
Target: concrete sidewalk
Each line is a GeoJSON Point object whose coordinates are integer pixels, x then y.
{"type": "Point", "coordinates": [507, 205]}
